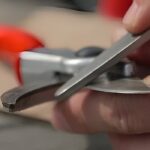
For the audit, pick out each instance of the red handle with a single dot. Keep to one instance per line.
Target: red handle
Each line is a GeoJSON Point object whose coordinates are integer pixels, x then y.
{"type": "Point", "coordinates": [12, 42]}
{"type": "Point", "coordinates": [114, 8]}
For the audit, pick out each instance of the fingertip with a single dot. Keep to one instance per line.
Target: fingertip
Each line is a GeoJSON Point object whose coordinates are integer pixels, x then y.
{"type": "Point", "coordinates": [137, 19]}
{"type": "Point", "coordinates": [136, 28]}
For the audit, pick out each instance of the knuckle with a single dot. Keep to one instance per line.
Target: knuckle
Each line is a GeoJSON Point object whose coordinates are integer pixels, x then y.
{"type": "Point", "coordinates": [119, 117]}
{"type": "Point", "coordinates": [122, 121]}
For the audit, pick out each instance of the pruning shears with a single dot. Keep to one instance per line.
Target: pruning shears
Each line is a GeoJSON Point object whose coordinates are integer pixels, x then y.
{"type": "Point", "coordinates": [48, 74]}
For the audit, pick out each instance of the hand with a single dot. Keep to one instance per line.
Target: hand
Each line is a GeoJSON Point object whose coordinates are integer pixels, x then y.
{"type": "Point", "coordinates": [118, 115]}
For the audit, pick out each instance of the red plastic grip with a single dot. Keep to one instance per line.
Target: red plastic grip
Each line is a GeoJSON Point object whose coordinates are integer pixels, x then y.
{"type": "Point", "coordinates": [13, 41]}
{"type": "Point", "coordinates": [114, 8]}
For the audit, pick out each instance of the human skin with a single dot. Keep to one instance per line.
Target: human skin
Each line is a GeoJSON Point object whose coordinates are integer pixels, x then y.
{"type": "Point", "coordinates": [124, 117]}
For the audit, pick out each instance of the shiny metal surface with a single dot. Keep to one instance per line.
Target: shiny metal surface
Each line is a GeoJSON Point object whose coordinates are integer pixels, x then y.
{"type": "Point", "coordinates": [42, 66]}
{"type": "Point", "coordinates": [102, 63]}
{"type": "Point", "coordinates": [121, 86]}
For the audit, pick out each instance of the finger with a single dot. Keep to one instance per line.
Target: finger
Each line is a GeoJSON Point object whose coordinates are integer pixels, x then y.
{"type": "Point", "coordinates": [137, 19]}
{"type": "Point", "coordinates": [95, 112]}
{"type": "Point", "coordinates": [132, 142]}
{"type": "Point", "coordinates": [142, 55]}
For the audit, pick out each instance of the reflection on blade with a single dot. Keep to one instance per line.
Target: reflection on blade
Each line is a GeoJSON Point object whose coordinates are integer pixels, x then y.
{"type": "Point", "coordinates": [121, 86]}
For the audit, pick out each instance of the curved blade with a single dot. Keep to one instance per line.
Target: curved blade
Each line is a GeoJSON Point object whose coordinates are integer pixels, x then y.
{"type": "Point", "coordinates": [29, 95]}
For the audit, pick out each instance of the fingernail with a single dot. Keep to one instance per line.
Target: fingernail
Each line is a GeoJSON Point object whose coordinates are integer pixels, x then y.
{"type": "Point", "coordinates": [131, 15]}
{"type": "Point", "coordinates": [60, 122]}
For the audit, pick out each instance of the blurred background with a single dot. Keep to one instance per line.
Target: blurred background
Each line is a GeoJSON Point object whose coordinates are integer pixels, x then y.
{"type": "Point", "coordinates": [72, 24]}
{"type": "Point", "coordinates": [12, 11]}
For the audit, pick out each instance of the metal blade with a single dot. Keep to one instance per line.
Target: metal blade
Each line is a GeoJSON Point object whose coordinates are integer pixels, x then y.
{"type": "Point", "coordinates": [29, 95]}
{"type": "Point", "coordinates": [120, 86]}
{"type": "Point", "coordinates": [102, 63]}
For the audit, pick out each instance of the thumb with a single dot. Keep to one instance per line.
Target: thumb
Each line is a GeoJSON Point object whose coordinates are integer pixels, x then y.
{"type": "Point", "coordinates": [140, 56]}
{"type": "Point", "coordinates": [137, 18]}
